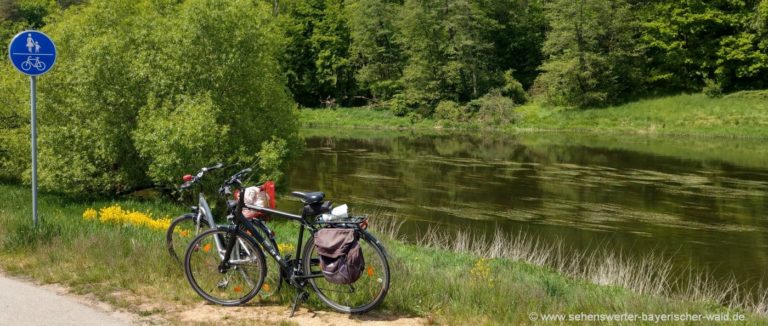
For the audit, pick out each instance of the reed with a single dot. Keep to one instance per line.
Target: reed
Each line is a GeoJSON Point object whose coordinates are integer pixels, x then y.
{"type": "Point", "coordinates": [650, 274]}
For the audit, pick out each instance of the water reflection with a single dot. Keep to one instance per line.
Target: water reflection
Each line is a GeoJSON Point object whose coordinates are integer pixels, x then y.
{"type": "Point", "coordinates": [702, 199]}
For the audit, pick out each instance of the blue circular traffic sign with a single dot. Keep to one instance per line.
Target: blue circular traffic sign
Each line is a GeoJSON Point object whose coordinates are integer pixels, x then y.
{"type": "Point", "coordinates": [32, 52]}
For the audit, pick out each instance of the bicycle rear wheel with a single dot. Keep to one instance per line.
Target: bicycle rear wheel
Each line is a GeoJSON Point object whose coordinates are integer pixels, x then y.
{"type": "Point", "coordinates": [230, 286]}
{"type": "Point", "coordinates": [180, 233]}
{"type": "Point", "coordinates": [361, 296]}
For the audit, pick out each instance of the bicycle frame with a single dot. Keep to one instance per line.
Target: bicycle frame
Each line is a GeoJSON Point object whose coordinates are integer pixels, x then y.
{"type": "Point", "coordinates": [285, 267]}
{"type": "Point", "coordinates": [250, 226]}
{"type": "Point", "coordinates": [204, 211]}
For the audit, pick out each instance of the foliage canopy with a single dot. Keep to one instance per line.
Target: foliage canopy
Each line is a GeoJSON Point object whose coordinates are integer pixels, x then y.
{"type": "Point", "coordinates": [145, 91]}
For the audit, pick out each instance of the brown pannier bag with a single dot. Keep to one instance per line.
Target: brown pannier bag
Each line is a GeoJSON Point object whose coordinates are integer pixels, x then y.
{"type": "Point", "coordinates": [341, 258]}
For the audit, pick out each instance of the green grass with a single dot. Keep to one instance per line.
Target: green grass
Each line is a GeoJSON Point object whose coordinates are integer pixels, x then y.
{"type": "Point", "coordinates": [111, 261]}
{"type": "Point", "coordinates": [359, 118]}
{"type": "Point", "coordinates": [742, 114]}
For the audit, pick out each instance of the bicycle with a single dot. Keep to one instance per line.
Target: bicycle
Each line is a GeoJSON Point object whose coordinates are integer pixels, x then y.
{"type": "Point", "coordinates": [234, 276]}
{"type": "Point", "coordinates": [187, 226]}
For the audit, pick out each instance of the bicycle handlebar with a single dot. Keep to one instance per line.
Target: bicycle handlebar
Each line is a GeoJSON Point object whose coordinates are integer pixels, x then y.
{"type": "Point", "coordinates": [233, 180]}
{"type": "Point", "coordinates": [196, 178]}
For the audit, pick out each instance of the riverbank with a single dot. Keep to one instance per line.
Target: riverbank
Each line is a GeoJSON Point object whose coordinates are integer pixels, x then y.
{"type": "Point", "coordinates": [443, 279]}
{"type": "Point", "coordinates": [741, 114]}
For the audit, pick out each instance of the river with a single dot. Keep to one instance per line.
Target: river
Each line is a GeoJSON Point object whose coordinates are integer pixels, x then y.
{"type": "Point", "coordinates": [701, 201]}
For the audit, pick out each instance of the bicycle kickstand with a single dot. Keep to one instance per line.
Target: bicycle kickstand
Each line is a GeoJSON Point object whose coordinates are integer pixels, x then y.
{"type": "Point", "coordinates": [301, 296]}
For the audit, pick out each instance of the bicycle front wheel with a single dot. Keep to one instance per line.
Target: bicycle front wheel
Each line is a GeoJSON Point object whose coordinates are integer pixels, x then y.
{"type": "Point", "coordinates": [181, 232]}
{"type": "Point", "coordinates": [232, 284]}
{"type": "Point", "coordinates": [361, 296]}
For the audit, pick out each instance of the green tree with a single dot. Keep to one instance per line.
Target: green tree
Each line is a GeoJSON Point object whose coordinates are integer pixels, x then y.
{"type": "Point", "coordinates": [317, 54]}
{"type": "Point", "coordinates": [693, 41]}
{"type": "Point", "coordinates": [589, 51]}
{"type": "Point", "coordinates": [448, 47]}
{"type": "Point", "coordinates": [144, 91]}
{"type": "Point", "coordinates": [297, 21]}
{"type": "Point", "coordinates": [374, 51]}
{"type": "Point", "coordinates": [761, 18]}
{"type": "Point", "coordinates": [330, 42]}
{"type": "Point", "coordinates": [518, 43]}
{"type": "Point", "coordinates": [218, 68]}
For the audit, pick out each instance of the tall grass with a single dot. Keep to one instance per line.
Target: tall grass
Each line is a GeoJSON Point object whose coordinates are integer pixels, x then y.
{"type": "Point", "coordinates": [651, 274]}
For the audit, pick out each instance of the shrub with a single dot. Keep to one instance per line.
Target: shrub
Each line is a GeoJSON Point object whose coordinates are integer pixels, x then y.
{"type": "Point", "coordinates": [450, 111]}
{"type": "Point", "coordinates": [273, 156]}
{"type": "Point", "coordinates": [712, 88]}
{"type": "Point", "coordinates": [179, 136]}
{"type": "Point", "coordinates": [493, 109]}
{"type": "Point", "coordinates": [144, 90]}
{"type": "Point", "coordinates": [399, 105]}
{"type": "Point", "coordinates": [513, 88]}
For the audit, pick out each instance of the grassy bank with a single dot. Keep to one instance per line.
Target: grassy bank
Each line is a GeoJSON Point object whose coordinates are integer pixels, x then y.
{"type": "Point", "coordinates": [445, 278]}
{"type": "Point", "coordinates": [742, 114]}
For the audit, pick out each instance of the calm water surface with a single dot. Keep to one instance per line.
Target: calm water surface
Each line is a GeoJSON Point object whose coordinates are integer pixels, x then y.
{"type": "Point", "coordinates": [703, 200]}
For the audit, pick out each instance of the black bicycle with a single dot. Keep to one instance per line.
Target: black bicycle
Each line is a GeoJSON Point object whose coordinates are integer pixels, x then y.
{"type": "Point", "coordinates": [234, 275]}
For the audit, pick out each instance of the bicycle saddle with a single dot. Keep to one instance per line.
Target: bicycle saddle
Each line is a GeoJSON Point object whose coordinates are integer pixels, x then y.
{"type": "Point", "coordinates": [309, 197]}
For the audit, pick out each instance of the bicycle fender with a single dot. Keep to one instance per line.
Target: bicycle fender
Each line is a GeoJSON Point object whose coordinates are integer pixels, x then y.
{"type": "Point", "coordinates": [373, 239]}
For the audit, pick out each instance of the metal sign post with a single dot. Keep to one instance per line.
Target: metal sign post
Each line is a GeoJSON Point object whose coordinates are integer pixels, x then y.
{"type": "Point", "coordinates": [33, 102]}
{"type": "Point", "coordinates": [33, 54]}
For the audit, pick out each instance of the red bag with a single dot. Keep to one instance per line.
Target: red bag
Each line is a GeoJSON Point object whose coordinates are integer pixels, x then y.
{"type": "Point", "coordinates": [269, 187]}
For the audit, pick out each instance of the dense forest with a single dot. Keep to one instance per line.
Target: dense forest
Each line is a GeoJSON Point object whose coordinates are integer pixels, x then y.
{"type": "Point", "coordinates": [413, 54]}
{"type": "Point", "coordinates": [159, 60]}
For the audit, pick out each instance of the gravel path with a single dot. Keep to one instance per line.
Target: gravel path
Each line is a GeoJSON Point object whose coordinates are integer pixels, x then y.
{"type": "Point", "coordinates": [22, 303]}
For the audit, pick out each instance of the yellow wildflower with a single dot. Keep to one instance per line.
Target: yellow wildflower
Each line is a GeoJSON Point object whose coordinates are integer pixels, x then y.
{"type": "Point", "coordinates": [90, 214]}
{"type": "Point", "coordinates": [115, 214]}
{"type": "Point", "coordinates": [481, 269]}
{"type": "Point", "coordinates": [111, 214]}
{"type": "Point", "coordinates": [285, 247]}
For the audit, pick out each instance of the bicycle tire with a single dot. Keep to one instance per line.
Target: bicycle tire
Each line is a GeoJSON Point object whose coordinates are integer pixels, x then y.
{"type": "Point", "coordinates": [352, 298]}
{"type": "Point", "coordinates": [182, 227]}
{"type": "Point", "coordinates": [201, 267]}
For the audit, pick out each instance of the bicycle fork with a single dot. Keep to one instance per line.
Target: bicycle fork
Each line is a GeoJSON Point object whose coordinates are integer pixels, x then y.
{"type": "Point", "coordinates": [224, 265]}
